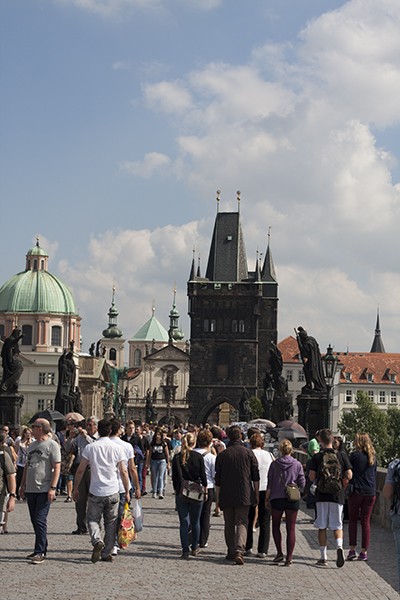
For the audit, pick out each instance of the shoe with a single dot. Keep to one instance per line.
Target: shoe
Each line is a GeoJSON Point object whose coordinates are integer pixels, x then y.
{"type": "Point", "coordinates": [352, 555]}
{"type": "Point", "coordinates": [339, 557]}
{"type": "Point", "coordinates": [229, 557]}
{"type": "Point", "coordinates": [184, 555]}
{"type": "Point", "coordinates": [278, 558]}
{"type": "Point", "coordinates": [288, 563]}
{"type": "Point", "coordinates": [322, 562]}
{"type": "Point", "coordinates": [63, 493]}
{"type": "Point", "coordinates": [153, 495]}
{"type": "Point", "coordinates": [144, 493]}
{"type": "Point", "coordinates": [31, 555]}
{"type": "Point", "coordinates": [216, 513]}
{"type": "Point", "coordinates": [203, 545]}
{"type": "Point", "coordinates": [248, 552]}
{"type": "Point", "coordinates": [363, 556]}
{"type": "Point", "coordinates": [161, 497]}
{"type": "Point", "coordinates": [239, 559]}
{"type": "Point", "coordinates": [97, 548]}
{"type": "Point", "coordinates": [68, 499]}
{"type": "Point", "coordinates": [79, 532]}
{"type": "Point", "coordinates": [38, 559]}
{"type": "Point", "coordinates": [261, 555]}
{"type": "Point", "coordinates": [195, 552]}
{"type": "Point", "coordinates": [114, 551]}
{"type": "Point", "coordinates": [108, 558]}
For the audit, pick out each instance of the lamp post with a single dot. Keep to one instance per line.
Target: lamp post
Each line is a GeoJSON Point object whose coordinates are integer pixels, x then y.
{"type": "Point", "coordinates": [329, 365]}
{"type": "Point", "coordinates": [269, 395]}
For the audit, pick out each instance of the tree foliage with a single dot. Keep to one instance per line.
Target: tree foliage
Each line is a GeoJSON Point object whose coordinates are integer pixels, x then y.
{"type": "Point", "coordinates": [382, 427]}
{"type": "Point", "coordinates": [256, 407]}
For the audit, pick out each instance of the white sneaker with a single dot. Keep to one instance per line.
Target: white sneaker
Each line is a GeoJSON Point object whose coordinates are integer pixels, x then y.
{"type": "Point", "coordinates": [154, 495]}
{"type": "Point", "coordinates": [261, 555]}
{"type": "Point", "coordinates": [114, 551]}
{"type": "Point", "coordinates": [248, 552]}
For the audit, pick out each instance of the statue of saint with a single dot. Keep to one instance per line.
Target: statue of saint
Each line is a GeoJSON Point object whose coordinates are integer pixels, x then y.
{"type": "Point", "coordinates": [12, 364]}
{"type": "Point", "coordinates": [245, 412]}
{"type": "Point", "coordinates": [312, 364]}
{"type": "Point", "coordinates": [65, 395]}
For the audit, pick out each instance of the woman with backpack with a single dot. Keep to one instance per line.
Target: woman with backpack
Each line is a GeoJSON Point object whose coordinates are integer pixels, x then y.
{"type": "Point", "coordinates": [283, 471]}
{"type": "Point", "coordinates": [362, 498]}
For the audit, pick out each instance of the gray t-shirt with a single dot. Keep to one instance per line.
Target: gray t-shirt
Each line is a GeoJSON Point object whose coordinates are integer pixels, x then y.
{"type": "Point", "coordinates": [42, 456]}
{"type": "Point", "coordinates": [7, 463]}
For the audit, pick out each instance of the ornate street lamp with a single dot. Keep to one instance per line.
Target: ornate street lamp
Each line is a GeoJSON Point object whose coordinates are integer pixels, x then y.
{"type": "Point", "coordinates": [329, 366]}
{"type": "Point", "coordinates": [269, 395]}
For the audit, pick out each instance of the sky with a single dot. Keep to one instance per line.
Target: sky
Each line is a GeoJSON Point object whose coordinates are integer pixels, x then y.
{"type": "Point", "coordinates": [120, 119]}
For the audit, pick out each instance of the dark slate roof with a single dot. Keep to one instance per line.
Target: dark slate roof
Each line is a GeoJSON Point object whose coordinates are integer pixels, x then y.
{"type": "Point", "coordinates": [377, 344]}
{"type": "Point", "coordinates": [227, 259]}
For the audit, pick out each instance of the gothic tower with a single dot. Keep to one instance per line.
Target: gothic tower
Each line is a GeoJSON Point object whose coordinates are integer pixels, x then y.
{"type": "Point", "coordinates": [233, 316]}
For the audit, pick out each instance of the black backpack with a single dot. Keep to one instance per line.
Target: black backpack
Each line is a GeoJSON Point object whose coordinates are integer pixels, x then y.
{"type": "Point", "coordinates": [329, 474]}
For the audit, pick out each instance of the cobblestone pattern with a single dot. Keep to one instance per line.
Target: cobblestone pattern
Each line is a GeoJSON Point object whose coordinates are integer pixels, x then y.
{"type": "Point", "coordinates": [151, 568]}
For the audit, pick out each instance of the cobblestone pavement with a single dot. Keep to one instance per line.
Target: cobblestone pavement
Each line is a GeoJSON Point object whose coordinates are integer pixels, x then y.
{"type": "Point", "coordinates": [151, 568]}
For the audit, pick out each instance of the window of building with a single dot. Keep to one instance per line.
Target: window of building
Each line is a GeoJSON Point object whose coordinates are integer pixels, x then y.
{"type": "Point", "coordinates": [392, 378]}
{"type": "Point", "coordinates": [301, 375]}
{"type": "Point", "coordinates": [371, 394]}
{"type": "Point", "coordinates": [113, 354]}
{"type": "Point", "coordinates": [213, 325]}
{"type": "Point", "coordinates": [137, 358]}
{"type": "Point", "coordinates": [349, 396]}
{"type": "Point", "coordinates": [26, 335]}
{"type": "Point", "coordinates": [222, 363]}
{"type": "Point", "coordinates": [348, 376]}
{"type": "Point", "coordinates": [382, 397]}
{"type": "Point", "coordinates": [46, 378]}
{"type": "Point", "coordinates": [56, 335]}
{"type": "Point", "coordinates": [241, 326]}
{"type": "Point", "coordinates": [393, 397]}
{"type": "Point", "coordinates": [50, 404]}
{"type": "Point", "coordinates": [370, 377]}
{"type": "Point", "coordinates": [42, 378]}
{"type": "Point", "coordinates": [234, 326]}
{"type": "Point", "coordinates": [41, 404]}
{"type": "Point", "coordinates": [289, 375]}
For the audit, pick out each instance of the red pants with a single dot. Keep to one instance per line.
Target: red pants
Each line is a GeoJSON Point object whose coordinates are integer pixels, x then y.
{"type": "Point", "coordinates": [290, 516]}
{"type": "Point", "coordinates": [360, 506]}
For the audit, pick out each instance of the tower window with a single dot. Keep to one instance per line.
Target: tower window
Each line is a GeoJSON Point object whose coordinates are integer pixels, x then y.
{"type": "Point", "coordinates": [241, 326]}
{"type": "Point", "coordinates": [27, 335]}
{"type": "Point", "coordinates": [137, 358]}
{"type": "Point", "coordinates": [56, 335]}
{"type": "Point", "coordinates": [113, 354]}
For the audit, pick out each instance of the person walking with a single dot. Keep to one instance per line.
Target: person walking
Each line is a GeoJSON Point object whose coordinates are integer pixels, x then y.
{"type": "Point", "coordinates": [283, 471]}
{"type": "Point", "coordinates": [391, 491]}
{"type": "Point", "coordinates": [7, 484]}
{"type": "Point", "coordinates": [105, 458]}
{"type": "Point", "coordinates": [159, 460]}
{"type": "Point", "coordinates": [328, 469]}
{"type": "Point", "coordinates": [264, 459]}
{"type": "Point", "coordinates": [188, 470]}
{"type": "Point", "coordinates": [39, 484]}
{"type": "Point", "coordinates": [204, 447]}
{"type": "Point", "coordinates": [362, 499]}
{"type": "Point", "coordinates": [237, 488]}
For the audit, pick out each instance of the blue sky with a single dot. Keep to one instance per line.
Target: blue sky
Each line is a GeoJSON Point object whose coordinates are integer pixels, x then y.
{"type": "Point", "coordinates": [119, 120]}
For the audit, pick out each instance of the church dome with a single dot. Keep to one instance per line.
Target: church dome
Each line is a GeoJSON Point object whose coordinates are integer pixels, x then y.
{"type": "Point", "coordinates": [35, 290]}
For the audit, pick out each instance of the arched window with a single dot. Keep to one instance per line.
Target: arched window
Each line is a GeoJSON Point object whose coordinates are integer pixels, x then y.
{"type": "Point", "coordinates": [137, 358]}
{"type": "Point", "coordinates": [27, 335]}
{"type": "Point", "coordinates": [113, 354]}
{"type": "Point", "coordinates": [56, 335]}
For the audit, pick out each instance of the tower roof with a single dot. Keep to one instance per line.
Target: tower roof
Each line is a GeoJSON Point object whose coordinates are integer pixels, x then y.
{"type": "Point", "coordinates": [377, 344]}
{"type": "Point", "coordinates": [112, 331]}
{"type": "Point", "coordinates": [152, 330]}
{"type": "Point", "coordinates": [227, 259]}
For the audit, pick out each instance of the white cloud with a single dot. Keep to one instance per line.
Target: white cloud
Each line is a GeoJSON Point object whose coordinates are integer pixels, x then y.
{"type": "Point", "coordinates": [121, 65]}
{"type": "Point", "coordinates": [108, 8]}
{"type": "Point", "coordinates": [169, 97]}
{"type": "Point", "coordinates": [151, 163]}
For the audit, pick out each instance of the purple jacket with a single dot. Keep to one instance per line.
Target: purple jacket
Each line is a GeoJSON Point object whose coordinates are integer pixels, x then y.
{"type": "Point", "coordinates": [292, 472]}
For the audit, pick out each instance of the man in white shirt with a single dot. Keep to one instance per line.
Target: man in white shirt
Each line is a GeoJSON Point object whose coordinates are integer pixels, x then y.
{"type": "Point", "coordinates": [106, 459]}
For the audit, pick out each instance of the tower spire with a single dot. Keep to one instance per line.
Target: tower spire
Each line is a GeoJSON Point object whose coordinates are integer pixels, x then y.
{"type": "Point", "coordinates": [268, 271]}
{"type": "Point", "coordinates": [112, 330]}
{"type": "Point", "coordinates": [377, 344]}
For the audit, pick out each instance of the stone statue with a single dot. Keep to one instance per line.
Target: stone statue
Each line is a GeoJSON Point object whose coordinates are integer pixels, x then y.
{"type": "Point", "coordinates": [98, 349]}
{"type": "Point", "coordinates": [282, 403]}
{"type": "Point", "coordinates": [12, 364]}
{"type": "Point", "coordinates": [245, 412]}
{"type": "Point", "coordinates": [312, 364]}
{"type": "Point", "coordinates": [150, 412]}
{"type": "Point", "coordinates": [155, 394]}
{"type": "Point", "coordinates": [65, 395]}
{"type": "Point", "coordinates": [92, 349]}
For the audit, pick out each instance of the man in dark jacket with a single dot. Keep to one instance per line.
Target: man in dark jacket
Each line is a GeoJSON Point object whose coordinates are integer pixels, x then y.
{"type": "Point", "coordinates": [237, 484]}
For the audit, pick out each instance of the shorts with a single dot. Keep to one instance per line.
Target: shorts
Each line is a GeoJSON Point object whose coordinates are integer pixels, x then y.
{"type": "Point", "coordinates": [329, 516]}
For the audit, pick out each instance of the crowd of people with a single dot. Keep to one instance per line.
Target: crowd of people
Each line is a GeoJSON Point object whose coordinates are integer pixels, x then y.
{"type": "Point", "coordinates": [101, 465]}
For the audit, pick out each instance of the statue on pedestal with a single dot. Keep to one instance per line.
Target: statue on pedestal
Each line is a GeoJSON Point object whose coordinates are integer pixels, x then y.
{"type": "Point", "coordinates": [12, 364]}
{"type": "Point", "coordinates": [312, 363]}
{"type": "Point", "coordinates": [282, 406]}
{"type": "Point", "coordinates": [245, 412]}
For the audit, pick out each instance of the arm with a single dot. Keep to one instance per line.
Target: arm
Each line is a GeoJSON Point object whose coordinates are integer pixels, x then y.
{"type": "Point", "coordinates": [388, 491]}
{"type": "Point", "coordinates": [11, 486]}
{"type": "Point", "coordinates": [54, 480]}
{"type": "Point", "coordinates": [134, 477]}
{"type": "Point", "coordinates": [78, 478]}
{"type": "Point", "coordinates": [312, 475]}
{"type": "Point", "coordinates": [125, 479]}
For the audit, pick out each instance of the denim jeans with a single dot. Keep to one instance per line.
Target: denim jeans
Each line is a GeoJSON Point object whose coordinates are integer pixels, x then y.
{"type": "Point", "coordinates": [158, 469]}
{"type": "Point", "coordinates": [106, 507]}
{"type": "Point", "coordinates": [189, 512]}
{"type": "Point", "coordinates": [39, 506]}
{"type": "Point", "coordinates": [139, 468]}
{"type": "Point", "coordinates": [396, 533]}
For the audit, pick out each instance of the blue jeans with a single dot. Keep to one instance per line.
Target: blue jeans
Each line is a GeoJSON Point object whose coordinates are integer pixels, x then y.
{"type": "Point", "coordinates": [39, 506]}
{"type": "Point", "coordinates": [106, 507]}
{"type": "Point", "coordinates": [158, 469]}
{"type": "Point", "coordinates": [139, 468]}
{"type": "Point", "coordinates": [189, 512]}
{"type": "Point", "coordinates": [396, 533]}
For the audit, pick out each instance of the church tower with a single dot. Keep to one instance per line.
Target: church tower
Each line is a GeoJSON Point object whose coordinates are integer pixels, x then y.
{"type": "Point", "coordinates": [233, 318]}
{"type": "Point", "coordinates": [112, 339]}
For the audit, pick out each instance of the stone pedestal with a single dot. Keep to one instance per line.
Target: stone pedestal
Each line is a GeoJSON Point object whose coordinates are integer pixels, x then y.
{"type": "Point", "coordinates": [10, 409]}
{"type": "Point", "coordinates": [313, 412]}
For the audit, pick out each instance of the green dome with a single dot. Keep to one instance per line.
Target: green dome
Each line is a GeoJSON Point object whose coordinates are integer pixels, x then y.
{"type": "Point", "coordinates": [36, 251]}
{"type": "Point", "coordinates": [36, 291]}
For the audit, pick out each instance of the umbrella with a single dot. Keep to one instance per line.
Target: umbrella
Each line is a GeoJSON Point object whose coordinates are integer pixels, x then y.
{"type": "Point", "coordinates": [291, 429]}
{"type": "Point", "coordinates": [262, 423]}
{"type": "Point", "coordinates": [74, 416]}
{"type": "Point", "coordinates": [291, 434]}
{"type": "Point", "coordinates": [50, 415]}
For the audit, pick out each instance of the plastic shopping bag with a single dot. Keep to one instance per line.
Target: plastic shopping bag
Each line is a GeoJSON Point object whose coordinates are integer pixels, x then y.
{"type": "Point", "coordinates": [126, 531]}
{"type": "Point", "coordinates": [138, 515]}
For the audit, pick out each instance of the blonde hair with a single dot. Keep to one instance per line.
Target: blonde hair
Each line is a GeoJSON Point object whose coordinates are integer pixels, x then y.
{"type": "Point", "coordinates": [362, 442]}
{"type": "Point", "coordinates": [188, 442]}
{"type": "Point", "coordinates": [285, 447]}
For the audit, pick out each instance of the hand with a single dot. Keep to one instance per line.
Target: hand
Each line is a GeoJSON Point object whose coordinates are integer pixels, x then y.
{"type": "Point", "coordinates": [138, 494]}
{"type": "Point", "coordinates": [51, 495]}
{"type": "Point", "coordinates": [22, 492]}
{"type": "Point", "coordinates": [82, 432]}
{"type": "Point", "coordinates": [75, 495]}
{"type": "Point", "coordinates": [128, 497]}
{"type": "Point", "coordinates": [10, 503]}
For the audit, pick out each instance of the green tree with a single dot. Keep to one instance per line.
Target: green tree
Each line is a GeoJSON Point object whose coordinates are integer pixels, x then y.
{"type": "Point", "coordinates": [367, 418]}
{"type": "Point", "coordinates": [256, 407]}
{"type": "Point", "coordinates": [393, 447]}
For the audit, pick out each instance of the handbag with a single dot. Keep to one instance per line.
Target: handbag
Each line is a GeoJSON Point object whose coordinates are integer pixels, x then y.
{"type": "Point", "coordinates": [126, 531]}
{"type": "Point", "coordinates": [137, 513]}
{"type": "Point", "coordinates": [292, 490]}
{"type": "Point", "coordinates": [193, 490]}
